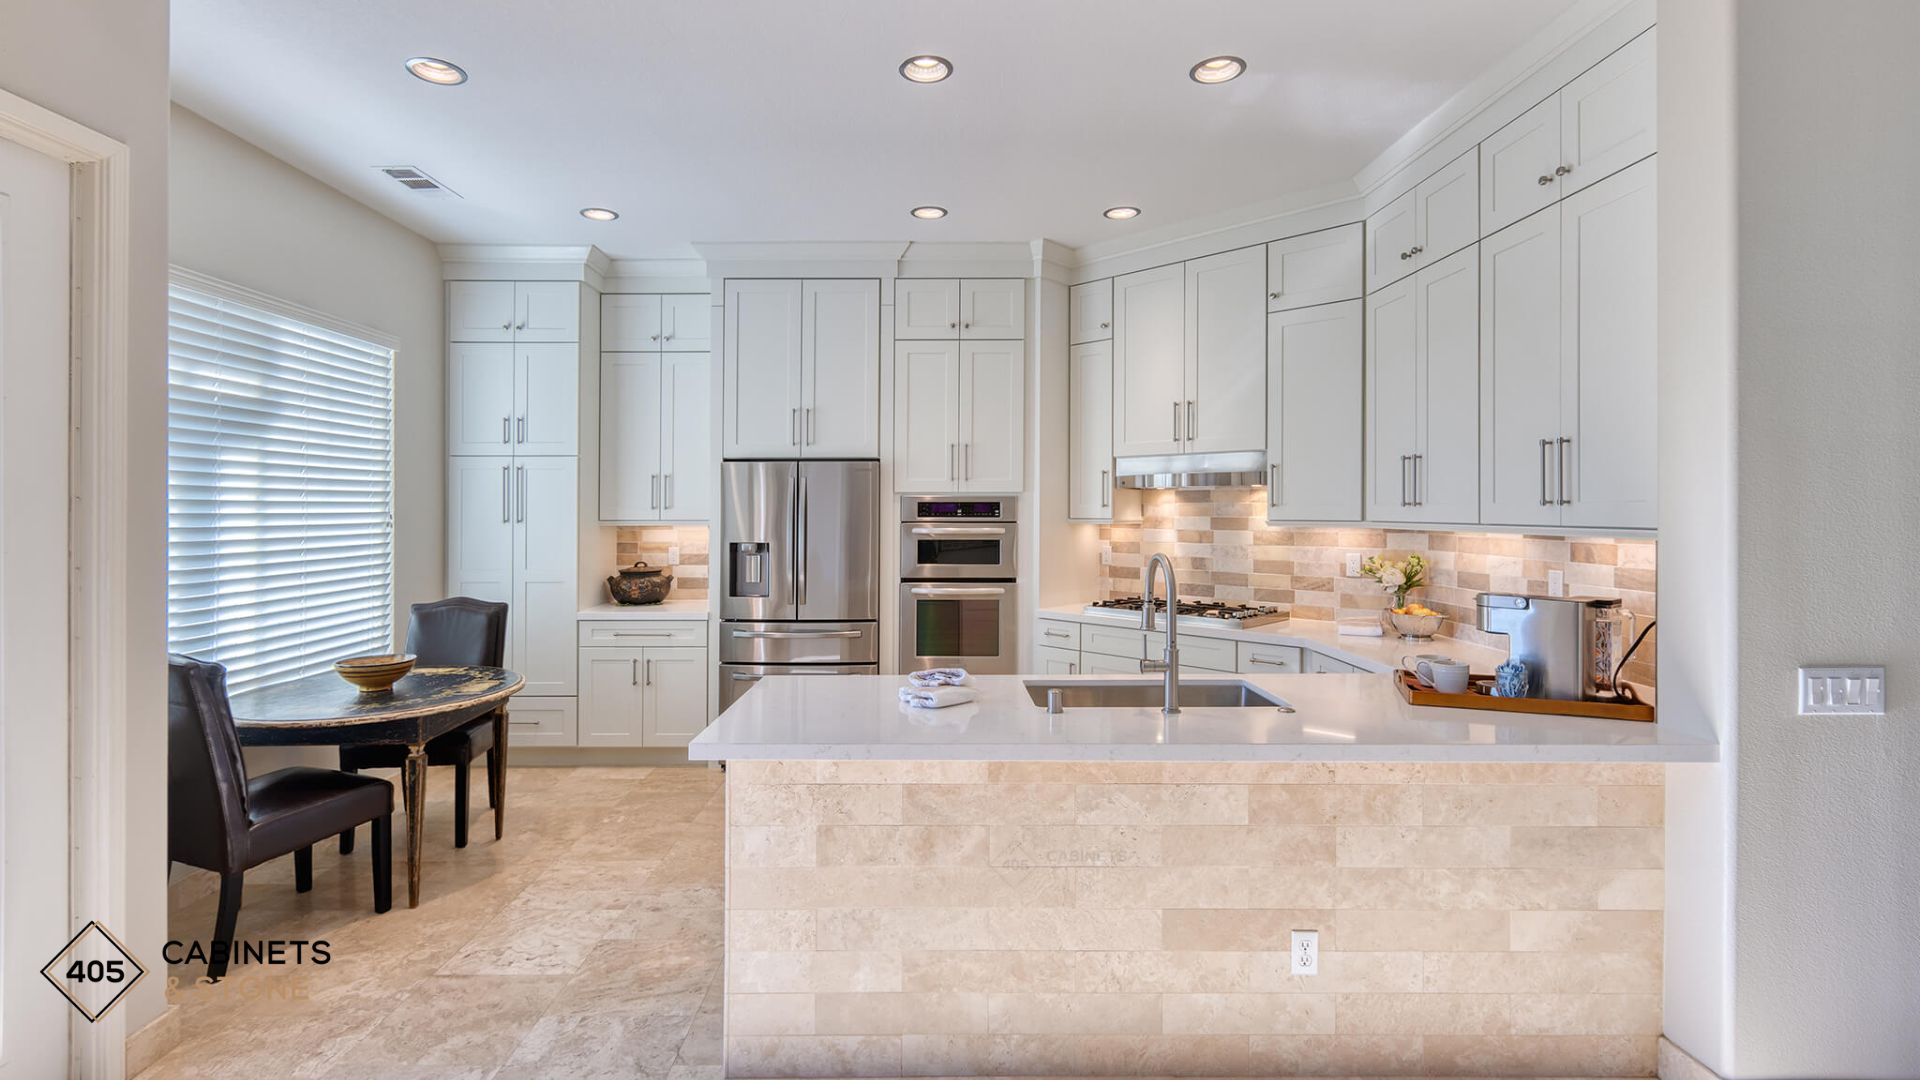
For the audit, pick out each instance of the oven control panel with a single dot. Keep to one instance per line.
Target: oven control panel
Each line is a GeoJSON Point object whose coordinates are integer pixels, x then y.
{"type": "Point", "coordinates": [922, 508]}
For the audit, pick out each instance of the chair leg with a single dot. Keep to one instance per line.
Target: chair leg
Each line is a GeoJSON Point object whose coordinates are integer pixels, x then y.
{"type": "Point", "coordinates": [461, 771]}
{"type": "Point", "coordinates": [493, 777]}
{"type": "Point", "coordinates": [303, 869]}
{"type": "Point", "coordinates": [346, 838]}
{"type": "Point", "coordinates": [224, 923]}
{"type": "Point", "coordinates": [382, 863]}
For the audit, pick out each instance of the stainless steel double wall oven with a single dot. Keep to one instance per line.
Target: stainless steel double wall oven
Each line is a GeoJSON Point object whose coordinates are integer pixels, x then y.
{"type": "Point", "coordinates": [959, 604]}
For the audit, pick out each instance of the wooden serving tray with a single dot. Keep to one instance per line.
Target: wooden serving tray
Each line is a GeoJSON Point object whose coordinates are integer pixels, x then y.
{"type": "Point", "coordinates": [1477, 697]}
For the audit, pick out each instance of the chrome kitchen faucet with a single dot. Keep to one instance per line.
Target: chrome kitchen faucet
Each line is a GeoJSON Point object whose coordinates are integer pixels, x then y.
{"type": "Point", "coordinates": [1170, 661]}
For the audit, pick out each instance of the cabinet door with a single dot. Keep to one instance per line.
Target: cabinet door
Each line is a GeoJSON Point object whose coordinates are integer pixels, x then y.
{"type": "Point", "coordinates": [993, 308]}
{"type": "Point", "coordinates": [541, 624]}
{"type": "Point", "coordinates": [549, 311]}
{"type": "Point", "coordinates": [547, 400]}
{"type": "Point", "coordinates": [760, 413]}
{"type": "Point", "coordinates": [1516, 167]}
{"type": "Point", "coordinates": [1446, 472]}
{"type": "Point", "coordinates": [1609, 352]}
{"type": "Point", "coordinates": [630, 322]}
{"type": "Point", "coordinates": [550, 721]}
{"type": "Point", "coordinates": [1096, 664]}
{"type": "Point", "coordinates": [1448, 208]}
{"type": "Point", "coordinates": [673, 684]}
{"type": "Point", "coordinates": [1393, 401]}
{"type": "Point", "coordinates": [480, 311]}
{"type": "Point", "coordinates": [1607, 115]}
{"type": "Point", "coordinates": [1314, 407]}
{"type": "Point", "coordinates": [630, 436]}
{"type": "Point", "coordinates": [480, 399]}
{"type": "Point", "coordinates": [1322, 664]}
{"type": "Point", "coordinates": [480, 501]}
{"type": "Point", "coordinates": [1520, 371]}
{"type": "Point", "coordinates": [1226, 351]}
{"type": "Point", "coordinates": [1048, 660]}
{"type": "Point", "coordinates": [1149, 361]}
{"type": "Point", "coordinates": [840, 370]}
{"type": "Point", "coordinates": [926, 416]}
{"type": "Point", "coordinates": [686, 323]}
{"type": "Point", "coordinates": [993, 395]}
{"type": "Point", "coordinates": [1090, 432]}
{"type": "Point", "coordinates": [1318, 268]}
{"type": "Point", "coordinates": [686, 437]}
{"type": "Point", "coordinates": [612, 709]}
{"type": "Point", "coordinates": [926, 310]}
{"type": "Point", "coordinates": [1090, 312]}
{"type": "Point", "coordinates": [1391, 234]}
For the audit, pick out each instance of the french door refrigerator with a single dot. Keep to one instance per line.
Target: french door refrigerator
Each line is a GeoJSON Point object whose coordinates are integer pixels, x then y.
{"type": "Point", "coordinates": [800, 541]}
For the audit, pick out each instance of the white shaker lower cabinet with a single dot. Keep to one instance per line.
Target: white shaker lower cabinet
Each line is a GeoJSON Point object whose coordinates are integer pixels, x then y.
{"type": "Point", "coordinates": [1050, 660]}
{"type": "Point", "coordinates": [541, 721]}
{"type": "Point", "coordinates": [1315, 407]}
{"type": "Point", "coordinates": [1423, 459]}
{"type": "Point", "coordinates": [546, 553]}
{"type": "Point", "coordinates": [1090, 432]}
{"type": "Point", "coordinates": [648, 696]}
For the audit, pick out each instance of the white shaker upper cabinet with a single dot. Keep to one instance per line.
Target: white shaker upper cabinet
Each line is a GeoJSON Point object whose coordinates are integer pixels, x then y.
{"type": "Point", "coordinates": [546, 529]}
{"type": "Point", "coordinates": [761, 410]}
{"type": "Point", "coordinates": [1607, 115]}
{"type": "Point", "coordinates": [480, 311]}
{"type": "Point", "coordinates": [840, 369]}
{"type": "Point", "coordinates": [1609, 353]}
{"type": "Point", "coordinates": [548, 311]}
{"type": "Point", "coordinates": [630, 436]}
{"type": "Point", "coordinates": [686, 437]}
{"type": "Point", "coordinates": [480, 398]}
{"type": "Point", "coordinates": [1314, 411]}
{"type": "Point", "coordinates": [1446, 474]}
{"type": "Point", "coordinates": [926, 416]}
{"type": "Point", "coordinates": [1090, 312]}
{"type": "Point", "coordinates": [1517, 166]}
{"type": "Point", "coordinates": [1317, 268]}
{"type": "Point", "coordinates": [1520, 372]}
{"type": "Point", "coordinates": [631, 322]}
{"type": "Point", "coordinates": [1226, 351]}
{"type": "Point", "coordinates": [1437, 218]}
{"type": "Point", "coordinates": [1090, 432]}
{"type": "Point", "coordinates": [926, 309]}
{"type": "Point", "coordinates": [1149, 361]}
{"type": "Point", "coordinates": [686, 322]}
{"type": "Point", "coordinates": [1391, 234]}
{"type": "Point", "coordinates": [1393, 401]}
{"type": "Point", "coordinates": [546, 399]}
{"type": "Point", "coordinates": [993, 308]}
{"type": "Point", "coordinates": [993, 394]}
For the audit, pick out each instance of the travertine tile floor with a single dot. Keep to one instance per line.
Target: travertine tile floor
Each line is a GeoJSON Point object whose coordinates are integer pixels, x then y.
{"type": "Point", "coordinates": [585, 944]}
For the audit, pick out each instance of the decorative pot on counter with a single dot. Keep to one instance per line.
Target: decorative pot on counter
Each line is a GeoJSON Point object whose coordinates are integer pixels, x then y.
{"type": "Point", "coordinates": [640, 584]}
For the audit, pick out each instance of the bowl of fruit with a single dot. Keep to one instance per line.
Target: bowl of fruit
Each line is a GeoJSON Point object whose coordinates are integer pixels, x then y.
{"type": "Point", "coordinates": [1413, 622]}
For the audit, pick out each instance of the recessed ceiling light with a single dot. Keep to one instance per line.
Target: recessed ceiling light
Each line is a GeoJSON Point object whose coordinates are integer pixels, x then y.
{"type": "Point", "coordinates": [925, 69]}
{"type": "Point", "coordinates": [929, 213]}
{"type": "Point", "coordinates": [1122, 213]}
{"type": "Point", "coordinates": [437, 71]}
{"type": "Point", "coordinates": [1217, 69]}
{"type": "Point", "coordinates": [598, 213]}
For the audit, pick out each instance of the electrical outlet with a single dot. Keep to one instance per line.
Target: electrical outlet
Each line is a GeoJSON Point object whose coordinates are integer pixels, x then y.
{"type": "Point", "coordinates": [1353, 565]}
{"type": "Point", "coordinates": [1556, 583]}
{"type": "Point", "coordinates": [1830, 691]}
{"type": "Point", "coordinates": [1305, 952]}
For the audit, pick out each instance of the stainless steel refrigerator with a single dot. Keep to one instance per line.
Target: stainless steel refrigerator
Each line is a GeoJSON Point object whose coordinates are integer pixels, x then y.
{"type": "Point", "coordinates": [800, 584]}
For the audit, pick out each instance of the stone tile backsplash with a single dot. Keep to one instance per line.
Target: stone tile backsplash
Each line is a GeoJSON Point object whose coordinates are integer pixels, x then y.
{"type": "Point", "coordinates": [1223, 548]}
{"type": "Point", "coordinates": [682, 547]}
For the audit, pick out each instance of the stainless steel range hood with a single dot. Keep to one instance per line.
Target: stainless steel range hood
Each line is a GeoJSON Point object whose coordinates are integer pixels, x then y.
{"type": "Point", "coordinates": [1244, 468]}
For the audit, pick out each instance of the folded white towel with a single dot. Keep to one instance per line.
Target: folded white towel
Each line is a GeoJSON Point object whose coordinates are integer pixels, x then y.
{"type": "Point", "coordinates": [1361, 628]}
{"type": "Point", "coordinates": [943, 676]}
{"type": "Point", "coordinates": [937, 697]}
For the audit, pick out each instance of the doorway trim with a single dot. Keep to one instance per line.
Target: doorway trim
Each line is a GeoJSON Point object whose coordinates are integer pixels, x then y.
{"type": "Point", "coordinates": [99, 355]}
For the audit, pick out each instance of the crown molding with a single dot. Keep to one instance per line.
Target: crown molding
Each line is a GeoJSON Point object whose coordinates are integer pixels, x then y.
{"type": "Point", "coordinates": [924, 259]}
{"type": "Point", "coordinates": [656, 276]}
{"type": "Point", "coordinates": [524, 262]}
{"type": "Point", "coordinates": [1275, 219]}
{"type": "Point", "coordinates": [800, 258]}
{"type": "Point", "coordinates": [1053, 261]}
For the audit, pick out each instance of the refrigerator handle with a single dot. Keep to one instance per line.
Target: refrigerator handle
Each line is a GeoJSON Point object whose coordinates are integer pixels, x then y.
{"type": "Point", "coordinates": [800, 523]}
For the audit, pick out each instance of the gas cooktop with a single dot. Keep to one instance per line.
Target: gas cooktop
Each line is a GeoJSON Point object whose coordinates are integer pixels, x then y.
{"type": "Point", "coordinates": [1197, 612]}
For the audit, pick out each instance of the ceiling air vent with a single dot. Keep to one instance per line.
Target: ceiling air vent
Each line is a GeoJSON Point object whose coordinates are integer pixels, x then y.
{"type": "Point", "coordinates": [419, 182]}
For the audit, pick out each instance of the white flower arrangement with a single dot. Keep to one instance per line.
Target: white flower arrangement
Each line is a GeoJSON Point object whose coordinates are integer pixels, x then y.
{"type": "Point", "coordinates": [1397, 576]}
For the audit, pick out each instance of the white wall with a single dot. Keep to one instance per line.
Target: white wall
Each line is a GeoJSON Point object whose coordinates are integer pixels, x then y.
{"type": "Point", "coordinates": [103, 63]}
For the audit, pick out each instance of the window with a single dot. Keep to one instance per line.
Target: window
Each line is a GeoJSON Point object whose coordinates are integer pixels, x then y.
{"type": "Point", "coordinates": [279, 485]}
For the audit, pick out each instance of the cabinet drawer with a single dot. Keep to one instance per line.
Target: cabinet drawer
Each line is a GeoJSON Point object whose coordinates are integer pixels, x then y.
{"type": "Point", "coordinates": [1211, 654]}
{"type": "Point", "coordinates": [1095, 664]}
{"type": "Point", "coordinates": [635, 633]}
{"type": "Point", "coordinates": [533, 721]}
{"type": "Point", "coordinates": [1050, 660]}
{"type": "Point", "coordinates": [1058, 634]}
{"type": "Point", "coordinates": [1113, 641]}
{"type": "Point", "coordinates": [1269, 659]}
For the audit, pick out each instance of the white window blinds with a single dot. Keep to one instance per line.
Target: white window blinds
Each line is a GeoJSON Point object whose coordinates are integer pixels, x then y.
{"type": "Point", "coordinates": [279, 486]}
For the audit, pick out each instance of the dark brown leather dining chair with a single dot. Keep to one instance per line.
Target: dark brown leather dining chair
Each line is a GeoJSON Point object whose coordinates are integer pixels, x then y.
{"type": "Point", "coordinates": [458, 632]}
{"type": "Point", "coordinates": [219, 820]}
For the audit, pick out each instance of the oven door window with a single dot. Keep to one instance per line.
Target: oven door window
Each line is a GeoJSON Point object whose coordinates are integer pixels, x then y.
{"type": "Point", "coordinates": [952, 551]}
{"type": "Point", "coordinates": [959, 627]}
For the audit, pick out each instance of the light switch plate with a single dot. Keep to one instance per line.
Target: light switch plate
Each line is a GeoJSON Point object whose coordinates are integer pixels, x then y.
{"type": "Point", "coordinates": [1305, 952]}
{"type": "Point", "coordinates": [1843, 691]}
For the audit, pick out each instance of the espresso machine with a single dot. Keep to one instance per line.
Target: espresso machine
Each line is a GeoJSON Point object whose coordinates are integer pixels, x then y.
{"type": "Point", "coordinates": [1572, 645]}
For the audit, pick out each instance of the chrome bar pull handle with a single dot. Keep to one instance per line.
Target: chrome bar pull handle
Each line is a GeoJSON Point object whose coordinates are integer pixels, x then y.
{"type": "Point", "coordinates": [1418, 460]}
{"type": "Point", "coordinates": [1273, 484]}
{"type": "Point", "coordinates": [653, 492]}
{"type": "Point", "coordinates": [523, 430]}
{"type": "Point", "coordinates": [1193, 425]}
{"type": "Point", "coordinates": [506, 429]}
{"type": "Point", "coordinates": [1566, 444]}
{"type": "Point", "coordinates": [633, 676]}
{"type": "Point", "coordinates": [1545, 499]}
{"type": "Point", "coordinates": [666, 490]}
{"type": "Point", "coordinates": [1176, 421]}
{"type": "Point", "coordinates": [1105, 494]}
{"type": "Point", "coordinates": [793, 424]}
{"type": "Point", "coordinates": [523, 492]}
{"type": "Point", "coordinates": [506, 494]}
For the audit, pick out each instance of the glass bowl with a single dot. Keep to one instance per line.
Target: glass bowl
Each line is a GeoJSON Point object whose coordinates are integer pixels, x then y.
{"type": "Point", "coordinates": [1412, 627]}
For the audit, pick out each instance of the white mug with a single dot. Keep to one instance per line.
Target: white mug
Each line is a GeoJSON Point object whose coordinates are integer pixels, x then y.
{"type": "Point", "coordinates": [1443, 673]}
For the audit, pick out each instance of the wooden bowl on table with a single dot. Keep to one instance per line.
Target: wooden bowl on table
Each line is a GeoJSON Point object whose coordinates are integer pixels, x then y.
{"type": "Point", "coordinates": [375, 674]}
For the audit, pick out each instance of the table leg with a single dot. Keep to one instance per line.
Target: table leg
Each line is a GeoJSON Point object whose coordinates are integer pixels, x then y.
{"type": "Point", "coordinates": [414, 780]}
{"type": "Point", "coordinates": [499, 774]}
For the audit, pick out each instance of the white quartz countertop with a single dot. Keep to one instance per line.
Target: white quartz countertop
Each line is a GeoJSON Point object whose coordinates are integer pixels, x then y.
{"type": "Point", "coordinates": [665, 609]}
{"type": "Point", "coordinates": [1335, 718]}
{"type": "Point", "coordinates": [1379, 654]}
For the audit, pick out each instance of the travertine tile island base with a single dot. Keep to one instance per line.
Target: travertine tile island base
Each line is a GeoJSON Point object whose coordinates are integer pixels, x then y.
{"type": "Point", "coordinates": [992, 890]}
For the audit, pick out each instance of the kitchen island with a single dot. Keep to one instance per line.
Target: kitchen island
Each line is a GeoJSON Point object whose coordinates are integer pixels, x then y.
{"type": "Point", "coordinates": [993, 890]}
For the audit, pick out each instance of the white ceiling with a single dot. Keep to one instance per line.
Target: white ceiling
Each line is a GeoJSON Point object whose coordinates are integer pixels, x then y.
{"type": "Point", "coordinates": [715, 120]}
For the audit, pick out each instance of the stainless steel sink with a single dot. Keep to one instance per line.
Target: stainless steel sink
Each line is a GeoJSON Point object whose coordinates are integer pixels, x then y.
{"type": "Point", "coordinates": [1144, 693]}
